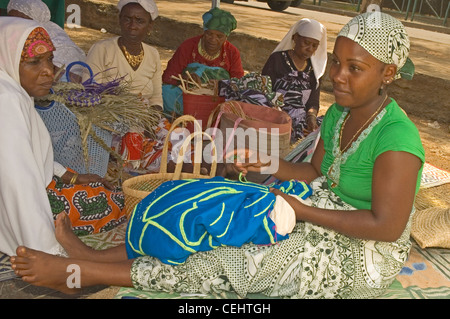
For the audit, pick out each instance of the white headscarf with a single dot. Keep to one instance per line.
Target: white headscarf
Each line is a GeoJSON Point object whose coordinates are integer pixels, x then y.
{"type": "Point", "coordinates": [66, 50]}
{"type": "Point", "coordinates": [13, 34]}
{"type": "Point", "coordinates": [311, 29]}
{"type": "Point", "coordinates": [148, 5]}
{"type": "Point", "coordinates": [35, 9]}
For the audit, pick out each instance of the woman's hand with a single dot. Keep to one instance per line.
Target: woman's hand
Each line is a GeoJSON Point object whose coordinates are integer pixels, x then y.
{"type": "Point", "coordinates": [93, 178]}
{"type": "Point", "coordinates": [82, 179]}
{"type": "Point", "coordinates": [246, 160]}
{"type": "Point", "coordinates": [311, 123]}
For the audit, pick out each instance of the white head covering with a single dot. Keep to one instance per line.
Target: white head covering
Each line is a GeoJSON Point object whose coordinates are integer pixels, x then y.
{"type": "Point", "coordinates": [35, 9]}
{"type": "Point", "coordinates": [311, 29]}
{"type": "Point", "coordinates": [148, 5]}
{"type": "Point", "coordinates": [13, 34]}
{"type": "Point", "coordinates": [66, 50]}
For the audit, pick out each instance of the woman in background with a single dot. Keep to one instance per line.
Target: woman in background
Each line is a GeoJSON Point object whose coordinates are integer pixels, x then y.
{"type": "Point", "coordinates": [127, 55]}
{"type": "Point", "coordinates": [209, 56]}
{"type": "Point", "coordinates": [295, 68]}
{"type": "Point", "coordinates": [139, 64]}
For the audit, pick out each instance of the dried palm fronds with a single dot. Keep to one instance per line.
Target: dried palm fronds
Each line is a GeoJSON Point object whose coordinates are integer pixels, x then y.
{"type": "Point", "coordinates": [106, 105]}
{"type": "Point", "coordinates": [191, 86]}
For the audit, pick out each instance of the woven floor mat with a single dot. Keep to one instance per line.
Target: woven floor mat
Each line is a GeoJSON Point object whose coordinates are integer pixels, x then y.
{"type": "Point", "coordinates": [433, 176]}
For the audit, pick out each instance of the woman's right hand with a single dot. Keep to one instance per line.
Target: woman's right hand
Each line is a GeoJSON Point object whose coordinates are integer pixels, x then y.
{"type": "Point", "coordinates": [246, 160]}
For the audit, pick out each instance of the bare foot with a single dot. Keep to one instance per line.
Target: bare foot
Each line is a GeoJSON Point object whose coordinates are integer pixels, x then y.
{"type": "Point", "coordinates": [74, 247]}
{"type": "Point", "coordinates": [42, 269]}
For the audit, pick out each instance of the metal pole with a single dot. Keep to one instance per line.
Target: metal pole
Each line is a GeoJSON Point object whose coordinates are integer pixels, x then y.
{"type": "Point", "coordinates": [215, 4]}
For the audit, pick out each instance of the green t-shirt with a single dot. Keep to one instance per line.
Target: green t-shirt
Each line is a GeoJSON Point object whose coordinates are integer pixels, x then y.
{"type": "Point", "coordinates": [391, 130]}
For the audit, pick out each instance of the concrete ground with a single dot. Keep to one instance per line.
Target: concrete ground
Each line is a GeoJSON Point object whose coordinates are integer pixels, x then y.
{"type": "Point", "coordinates": [430, 52]}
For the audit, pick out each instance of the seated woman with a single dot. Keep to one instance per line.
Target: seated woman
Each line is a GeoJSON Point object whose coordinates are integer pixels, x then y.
{"type": "Point", "coordinates": [27, 197]}
{"type": "Point", "coordinates": [139, 63]}
{"type": "Point", "coordinates": [66, 51]}
{"type": "Point", "coordinates": [351, 241]}
{"type": "Point", "coordinates": [295, 67]}
{"type": "Point", "coordinates": [127, 55]}
{"type": "Point", "coordinates": [209, 56]}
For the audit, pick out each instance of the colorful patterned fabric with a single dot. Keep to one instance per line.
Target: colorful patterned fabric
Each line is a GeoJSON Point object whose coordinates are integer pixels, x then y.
{"type": "Point", "coordinates": [252, 88]}
{"type": "Point", "coordinates": [219, 20]}
{"type": "Point", "coordinates": [297, 90]}
{"type": "Point", "coordinates": [37, 43]}
{"type": "Point", "coordinates": [314, 262]}
{"type": "Point", "coordinates": [91, 208]}
{"type": "Point", "coordinates": [186, 216]}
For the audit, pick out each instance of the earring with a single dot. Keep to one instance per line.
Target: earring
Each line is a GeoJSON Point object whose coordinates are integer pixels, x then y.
{"type": "Point", "coordinates": [380, 91]}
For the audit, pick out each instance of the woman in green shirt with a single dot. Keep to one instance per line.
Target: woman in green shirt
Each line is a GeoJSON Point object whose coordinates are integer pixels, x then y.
{"type": "Point", "coordinates": [350, 241]}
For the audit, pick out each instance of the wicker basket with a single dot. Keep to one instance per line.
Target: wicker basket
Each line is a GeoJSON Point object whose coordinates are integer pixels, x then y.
{"type": "Point", "coordinates": [137, 188]}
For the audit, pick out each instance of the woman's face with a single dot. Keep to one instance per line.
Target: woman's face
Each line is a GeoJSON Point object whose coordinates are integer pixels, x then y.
{"type": "Point", "coordinates": [305, 47]}
{"type": "Point", "coordinates": [355, 74]}
{"type": "Point", "coordinates": [135, 22]}
{"type": "Point", "coordinates": [213, 41]}
{"type": "Point", "coordinates": [37, 73]}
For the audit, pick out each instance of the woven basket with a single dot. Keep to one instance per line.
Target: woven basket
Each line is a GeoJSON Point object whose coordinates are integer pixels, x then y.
{"type": "Point", "coordinates": [431, 227]}
{"type": "Point", "coordinates": [137, 188]}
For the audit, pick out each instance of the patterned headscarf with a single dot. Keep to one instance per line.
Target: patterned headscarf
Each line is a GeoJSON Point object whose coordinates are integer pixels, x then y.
{"type": "Point", "coordinates": [219, 20]}
{"type": "Point", "coordinates": [148, 5]}
{"type": "Point", "coordinates": [35, 9]}
{"type": "Point", "coordinates": [37, 43]}
{"type": "Point", "coordinates": [384, 37]}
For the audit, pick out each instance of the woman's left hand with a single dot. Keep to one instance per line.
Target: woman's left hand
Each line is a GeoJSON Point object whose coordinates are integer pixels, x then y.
{"type": "Point", "coordinates": [93, 178]}
{"type": "Point", "coordinates": [311, 124]}
{"type": "Point", "coordinates": [70, 177]}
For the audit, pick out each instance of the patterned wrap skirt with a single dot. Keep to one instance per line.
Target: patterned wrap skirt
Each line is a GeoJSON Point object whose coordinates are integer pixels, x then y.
{"type": "Point", "coordinates": [314, 262]}
{"type": "Point", "coordinates": [91, 208]}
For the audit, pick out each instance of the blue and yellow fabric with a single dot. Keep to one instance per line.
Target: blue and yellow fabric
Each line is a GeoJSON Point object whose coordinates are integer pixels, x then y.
{"type": "Point", "coordinates": [185, 216]}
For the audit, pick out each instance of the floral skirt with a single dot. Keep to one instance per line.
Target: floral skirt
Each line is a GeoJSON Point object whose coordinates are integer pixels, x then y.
{"type": "Point", "coordinates": [314, 262]}
{"type": "Point", "coordinates": [91, 208]}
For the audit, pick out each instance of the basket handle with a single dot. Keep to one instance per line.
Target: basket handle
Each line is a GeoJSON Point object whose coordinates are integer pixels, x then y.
{"type": "Point", "coordinates": [197, 155]}
{"type": "Point", "coordinates": [197, 151]}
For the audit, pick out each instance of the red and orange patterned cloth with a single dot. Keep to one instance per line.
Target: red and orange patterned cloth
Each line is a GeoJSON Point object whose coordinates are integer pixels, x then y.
{"type": "Point", "coordinates": [91, 208]}
{"type": "Point", "coordinates": [37, 43]}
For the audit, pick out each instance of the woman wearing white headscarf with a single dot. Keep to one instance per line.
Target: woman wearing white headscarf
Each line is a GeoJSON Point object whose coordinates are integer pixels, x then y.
{"type": "Point", "coordinates": [66, 51]}
{"type": "Point", "coordinates": [26, 156]}
{"type": "Point", "coordinates": [127, 55]}
{"type": "Point", "coordinates": [295, 67]}
{"type": "Point", "coordinates": [28, 194]}
{"type": "Point", "coordinates": [130, 57]}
